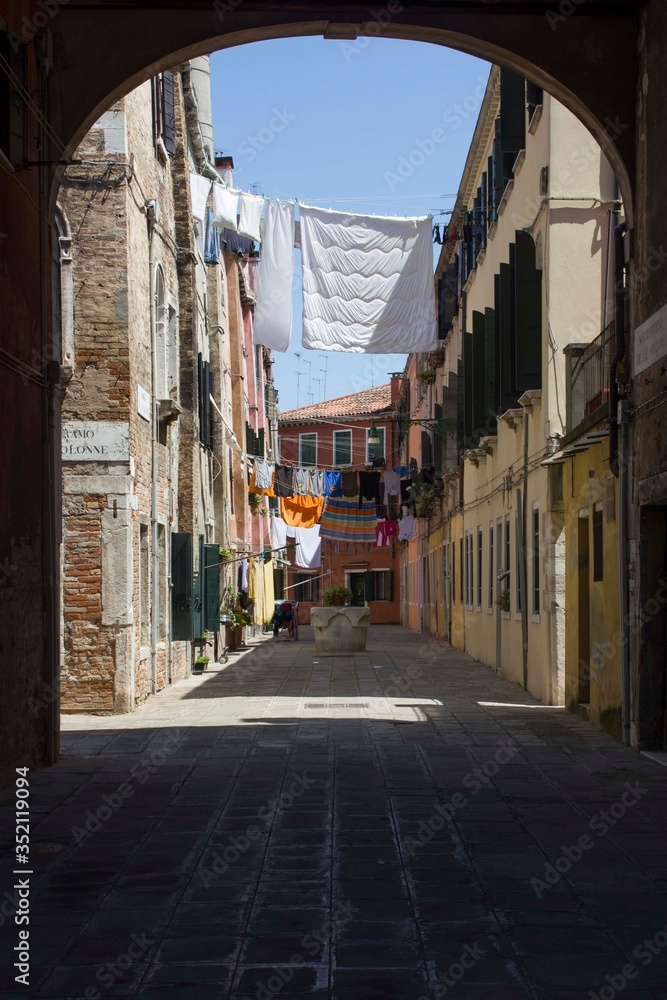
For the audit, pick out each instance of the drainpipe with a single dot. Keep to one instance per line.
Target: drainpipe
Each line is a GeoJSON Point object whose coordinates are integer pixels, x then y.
{"type": "Point", "coordinates": [151, 218]}
{"type": "Point", "coordinates": [523, 524]}
{"type": "Point", "coordinates": [618, 460]}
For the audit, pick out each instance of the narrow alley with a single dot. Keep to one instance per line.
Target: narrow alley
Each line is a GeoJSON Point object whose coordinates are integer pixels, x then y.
{"type": "Point", "coordinates": [401, 823]}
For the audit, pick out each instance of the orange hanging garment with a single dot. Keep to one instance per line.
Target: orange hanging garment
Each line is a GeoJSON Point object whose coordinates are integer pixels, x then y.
{"type": "Point", "coordinates": [301, 511]}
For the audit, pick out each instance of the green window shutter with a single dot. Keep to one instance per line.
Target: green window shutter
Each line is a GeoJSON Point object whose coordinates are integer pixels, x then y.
{"type": "Point", "coordinates": [467, 391]}
{"type": "Point", "coordinates": [490, 363]}
{"type": "Point", "coordinates": [260, 442]}
{"type": "Point", "coordinates": [512, 111]}
{"type": "Point", "coordinates": [438, 439]}
{"type": "Point", "coordinates": [168, 112]}
{"type": "Point", "coordinates": [534, 97]}
{"type": "Point", "coordinates": [528, 315]}
{"type": "Point", "coordinates": [460, 405]}
{"type": "Point", "coordinates": [507, 337]}
{"type": "Point", "coordinates": [198, 593]}
{"type": "Point", "coordinates": [483, 211]}
{"type": "Point", "coordinates": [426, 449]}
{"type": "Point", "coordinates": [478, 375]}
{"type": "Point", "coordinates": [181, 591]}
{"type": "Point", "coordinates": [211, 588]}
{"type": "Point", "coordinates": [369, 586]}
{"type": "Point", "coordinates": [389, 585]}
{"type": "Point", "coordinates": [498, 169]}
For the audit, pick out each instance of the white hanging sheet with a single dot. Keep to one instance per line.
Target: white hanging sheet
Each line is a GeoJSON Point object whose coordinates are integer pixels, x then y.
{"type": "Point", "coordinates": [225, 207]}
{"type": "Point", "coordinates": [250, 214]}
{"type": "Point", "coordinates": [308, 547]}
{"type": "Point", "coordinates": [367, 283]}
{"type": "Point", "coordinates": [199, 189]}
{"type": "Point", "coordinates": [273, 313]}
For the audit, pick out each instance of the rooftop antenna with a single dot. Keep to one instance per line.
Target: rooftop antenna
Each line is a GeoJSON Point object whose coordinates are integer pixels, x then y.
{"type": "Point", "coordinates": [319, 391]}
{"type": "Point", "coordinates": [324, 370]}
{"type": "Point", "coordinates": [310, 380]}
{"type": "Point", "coordinates": [298, 376]}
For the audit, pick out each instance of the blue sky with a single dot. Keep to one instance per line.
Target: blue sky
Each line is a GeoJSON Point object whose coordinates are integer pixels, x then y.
{"type": "Point", "coordinates": [377, 126]}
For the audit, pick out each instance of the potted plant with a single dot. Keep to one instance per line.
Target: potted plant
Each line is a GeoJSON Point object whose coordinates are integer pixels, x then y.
{"type": "Point", "coordinates": [226, 555]}
{"type": "Point", "coordinates": [427, 376]}
{"type": "Point", "coordinates": [337, 596]}
{"type": "Point", "coordinates": [200, 664]}
{"type": "Point", "coordinates": [503, 601]}
{"type": "Point", "coordinates": [254, 502]}
{"type": "Point", "coordinates": [426, 502]}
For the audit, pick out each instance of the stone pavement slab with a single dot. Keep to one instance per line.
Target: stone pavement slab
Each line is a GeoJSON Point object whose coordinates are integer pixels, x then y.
{"type": "Point", "coordinates": [398, 823]}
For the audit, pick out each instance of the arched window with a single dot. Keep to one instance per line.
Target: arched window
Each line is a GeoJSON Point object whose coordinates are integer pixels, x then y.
{"type": "Point", "coordinates": [160, 335]}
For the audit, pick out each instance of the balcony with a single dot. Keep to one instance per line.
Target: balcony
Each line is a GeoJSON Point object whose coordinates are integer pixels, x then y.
{"type": "Point", "coordinates": [587, 377]}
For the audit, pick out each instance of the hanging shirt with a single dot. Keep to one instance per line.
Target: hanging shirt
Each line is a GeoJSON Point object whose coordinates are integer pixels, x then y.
{"type": "Point", "coordinates": [199, 190]}
{"type": "Point", "coordinates": [264, 474]}
{"type": "Point", "coordinates": [316, 483]}
{"type": "Point", "coordinates": [244, 574]}
{"type": "Point", "coordinates": [300, 482]}
{"type": "Point", "coordinates": [406, 528]}
{"type": "Point", "coordinates": [393, 506]}
{"type": "Point", "coordinates": [350, 483]}
{"type": "Point", "coordinates": [369, 486]}
{"type": "Point", "coordinates": [225, 207]}
{"type": "Point", "coordinates": [301, 512]}
{"type": "Point", "coordinates": [402, 470]}
{"type": "Point", "coordinates": [406, 487]}
{"type": "Point", "coordinates": [283, 481]}
{"type": "Point", "coordinates": [332, 483]}
{"type": "Point", "coordinates": [392, 484]}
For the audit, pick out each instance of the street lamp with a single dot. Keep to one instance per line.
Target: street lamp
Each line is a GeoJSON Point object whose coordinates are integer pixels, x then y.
{"type": "Point", "coordinates": [373, 436]}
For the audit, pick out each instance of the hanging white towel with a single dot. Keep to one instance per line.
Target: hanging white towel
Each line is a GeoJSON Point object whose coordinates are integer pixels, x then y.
{"type": "Point", "coordinates": [273, 313]}
{"type": "Point", "coordinates": [225, 207]}
{"type": "Point", "coordinates": [199, 189]}
{"type": "Point", "coordinates": [280, 532]}
{"type": "Point", "coordinates": [308, 547]}
{"type": "Point", "coordinates": [250, 215]}
{"type": "Point", "coordinates": [367, 283]}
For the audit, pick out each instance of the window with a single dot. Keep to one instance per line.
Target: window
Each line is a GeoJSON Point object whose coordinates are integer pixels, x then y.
{"type": "Point", "coordinates": [519, 557]}
{"type": "Point", "coordinates": [161, 610]}
{"type": "Point", "coordinates": [598, 538]}
{"type": "Point", "coordinates": [479, 568]}
{"type": "Point", "coordinates": [461, 570]}
{"type": "Point", "coordinates": [453, 572]}
{"type": "Point", "coordinates": [160, 335]}
{"type": "Point", "coordinates": [536, 560]}
{"type": "Point", "coordinates": [172, 353]}
{"type": "Point", "coordinates": [382, 585]}
{"type": "Point", "coordinates": [205, 408]}
{"type": "Point", "coordinates": [305, 589]}
{"type": "Point", "coordinates": [308, 449]}
{"type": "Point", "coordinates": [164, 119]}
{"type": "Point", "coordinates": [491, 570]}
{"type": "Point", "coordinates": [342, 447]}
{"type": "Point", "coordinates": [144, 593]}
{"type": "Point", "coordinates": [506, 567]}
{"type": "Point", "coordinates": [375, 450]}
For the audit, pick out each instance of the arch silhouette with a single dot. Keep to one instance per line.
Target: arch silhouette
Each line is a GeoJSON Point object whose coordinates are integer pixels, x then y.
{"type": "Point", "coordinates": [568, 67]}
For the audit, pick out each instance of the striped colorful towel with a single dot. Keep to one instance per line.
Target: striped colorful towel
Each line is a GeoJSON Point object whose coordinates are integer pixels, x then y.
{"type": "Point", "coordinates": [345, 520]}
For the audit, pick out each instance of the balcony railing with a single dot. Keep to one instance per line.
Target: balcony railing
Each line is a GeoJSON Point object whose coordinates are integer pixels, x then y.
{"type": "Point", "coordinates": [588, 375]}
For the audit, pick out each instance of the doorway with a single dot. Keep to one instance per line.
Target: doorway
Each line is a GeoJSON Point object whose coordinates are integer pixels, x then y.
{"type": "Point", "coordinates": [584, 624]}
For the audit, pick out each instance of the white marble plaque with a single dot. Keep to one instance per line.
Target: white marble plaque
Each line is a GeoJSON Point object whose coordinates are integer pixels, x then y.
{"type": "Point", "coordinates": [96, 441]}
{"type": "Point", "coordinates": [143, 403]}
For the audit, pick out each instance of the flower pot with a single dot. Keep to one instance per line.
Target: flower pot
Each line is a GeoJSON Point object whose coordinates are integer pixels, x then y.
{"type": "Point", "coordinates": [338, 602]}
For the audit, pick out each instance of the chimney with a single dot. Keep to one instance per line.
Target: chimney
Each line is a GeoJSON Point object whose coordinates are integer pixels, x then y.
{"type": "Point", "coordinates": [225, 167]}
{"type": "Point", "coordinates": [396, 383]}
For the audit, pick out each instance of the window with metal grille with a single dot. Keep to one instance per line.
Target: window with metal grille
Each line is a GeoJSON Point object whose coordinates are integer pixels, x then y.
{"type": "Point", "coordinates": [305, 589]}
{"type": "Point", "coordinates": [342, 447]}
{"type": "Point", "coordinates": [308, 449]}
{"type": "Point", "coordinates": [491, 572]}
{"type": "Point", "coordinates": [479, 567]}
{"type": "Point", "coordinates": [536, 560]}
{"type": "Point", "coordinates": [164, 115]}
{"type": "Point", "coordinates": [598, 544]}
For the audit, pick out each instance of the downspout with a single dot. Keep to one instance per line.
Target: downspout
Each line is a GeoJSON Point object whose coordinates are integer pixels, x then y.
{"type": "Point", "coordinates": [151, 219]}
{"type": "Point", "coordinates": [523, 521]}
{"type": "Point", "coordinates": [618, 462]}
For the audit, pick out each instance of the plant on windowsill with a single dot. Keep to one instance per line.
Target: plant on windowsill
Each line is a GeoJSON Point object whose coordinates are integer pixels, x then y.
{"type": "Point", "coordinates": [427, 376]}
{"type": "Point", "coordinates": [426, 502]}
{"type": "Point", "coordinates": [226, 555]}
{"type": "Point", "coordinates": [337, 596]}
{"type": "Point", "coordinates": [503, 601]}
{"type": "Point", "coordinates": [254, 503]}
{"type": "Point", "coordinates": [436, 359]}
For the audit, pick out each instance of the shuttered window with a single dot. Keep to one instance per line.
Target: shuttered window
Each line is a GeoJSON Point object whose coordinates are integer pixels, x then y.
{"type": "Point", "coordinates": [528, 315]}
{"type": "Point", "coordinates": [512, 111]}
{"type": "Point", "coordinates": [478, 377]}
{"type": "Point", "coordinates": [534, 98]}
{"type": "Point", "coordinates": [468, 391]}
{"type": "Point", "coordinates": [182, 586]}
{"type": "Point", "coordinates": [211, 588]}
{"type": "Point", "coordinates": [164, 110]}
{"type": "Point", "coordinates": [460, 406]}
{"type": "Point", "coordinates": [490, 365]}
{"type": "Point", "coordinates": [205, 380]}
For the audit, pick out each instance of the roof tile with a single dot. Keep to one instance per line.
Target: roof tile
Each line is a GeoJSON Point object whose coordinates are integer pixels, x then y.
{"type": "Point", "coordinates": [373, 400]}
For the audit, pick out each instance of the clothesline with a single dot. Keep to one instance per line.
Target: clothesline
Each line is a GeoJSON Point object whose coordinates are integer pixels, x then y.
{"type": "Point", "coordinates": [248, 555]}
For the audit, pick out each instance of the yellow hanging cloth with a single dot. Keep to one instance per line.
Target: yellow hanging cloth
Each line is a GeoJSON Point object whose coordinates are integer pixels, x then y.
{"type": "Point", "coordinates": [269, 593]}
{"type": "Point", "coordinates": [259, 593]}
{"type": "Point", "coordinates": [252, 579]}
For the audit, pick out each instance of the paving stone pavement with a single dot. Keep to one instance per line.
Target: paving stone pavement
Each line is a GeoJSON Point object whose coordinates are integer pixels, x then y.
{"type": "Point", "coordinates": [398, 824]}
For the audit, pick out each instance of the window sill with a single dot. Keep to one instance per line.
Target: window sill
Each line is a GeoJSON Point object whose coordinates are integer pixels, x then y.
{"type": "Point", "coordinates": [536, 618]}
{"type": "Point", "coordinates": [144, 653]}
{"type": "Point", "coordinates": [535, 119]}
{"type": "Point", "coordinates": [506, 197]}
{"type": "Point", "coordinates": [161, 151]}
{"type": "Point", "coordinates": [489, 611]}
{"type": "Point", "coordinates": [506, 615]}
{"type": "Point", "coordinates": [519, 162]}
